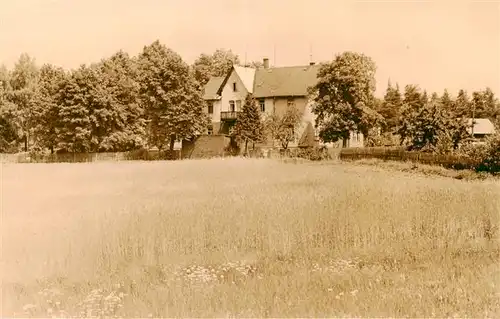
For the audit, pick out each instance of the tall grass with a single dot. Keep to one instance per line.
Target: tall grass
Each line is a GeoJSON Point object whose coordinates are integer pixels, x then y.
{"type": "Point", "coordinates": [251, 238]}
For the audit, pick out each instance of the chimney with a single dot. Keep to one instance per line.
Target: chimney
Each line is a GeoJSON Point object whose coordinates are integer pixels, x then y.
{"type": "Point", "coordinates": [266, 63]}
{"type": "Point", "coordinates": [312, 63]}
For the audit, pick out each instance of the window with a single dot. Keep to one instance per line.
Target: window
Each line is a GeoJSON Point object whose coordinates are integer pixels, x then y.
{"type": "Point", "coordinates": [238, 105]}
{"type": "Point", "coordinates": [290, 102]}
{"type": "Point", "coordinates": [210, 109]}
{"type": "Point", "coordinates": [262, 105]}
{"type": "Point", "coordinates": [234, 87]}
{"type": "Point", "coordinates": [231, 106]}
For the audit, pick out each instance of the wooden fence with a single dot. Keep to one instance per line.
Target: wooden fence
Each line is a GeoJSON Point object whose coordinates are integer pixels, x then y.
{"type": "Point", "coordinates": [400, 154]}
{"type": "Point", "coordinates": [144, 155]}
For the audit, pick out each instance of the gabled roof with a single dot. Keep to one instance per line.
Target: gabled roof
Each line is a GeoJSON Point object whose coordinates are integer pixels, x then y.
{"type": "Point", "coordinates": [284, 81]}
{"type": "Point", "coordinates": [275, 81]}
{"type": "Point", "coordinates": [481, 126]}
{"type": "Point", "coordinates": [211, 88]}
{"type": "Point", "coordinates": [246, 76]}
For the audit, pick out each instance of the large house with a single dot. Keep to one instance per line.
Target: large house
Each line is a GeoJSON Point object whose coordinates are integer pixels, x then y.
{"type": "Point", "coordinates": [275, 89]}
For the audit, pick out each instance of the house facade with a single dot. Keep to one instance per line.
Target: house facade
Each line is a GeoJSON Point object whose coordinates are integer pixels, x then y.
{"type": "Point", "coordinates": [275, 89]}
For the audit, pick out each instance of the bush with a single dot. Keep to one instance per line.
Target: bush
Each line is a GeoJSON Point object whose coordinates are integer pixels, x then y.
{"type": "Point", "coordinates": [316, 153]}
{"type": "Point", "coordinates": [491, 155]}
{"type": "Point", "coordinates": [487, 156]}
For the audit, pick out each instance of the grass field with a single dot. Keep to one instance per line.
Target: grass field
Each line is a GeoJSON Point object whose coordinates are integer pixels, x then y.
{"type": "Point", "coordinates": [246, 238]}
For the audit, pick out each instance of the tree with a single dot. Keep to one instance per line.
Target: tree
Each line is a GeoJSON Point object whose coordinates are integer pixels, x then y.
{"type": "Point", "coordinates": [248, 123]}
{"type": "Point", "coordinates": [424, 126]}
{"type": "Point", "coordinates": [484, 104]}
{"type": "Point", "coordinates": [120, 123]}
{"type": "Point", "coordinates": [23, 81]}
{"type": "Point", "coordinates": [217, 64]}
{"type": "Point", "coordinates": [447, 102]}
{"type": "Point", "coordinates": [463, 105]}
{"type": "Point", "coordinates": [74, 133]}
{"type": "Point", "coordinates": [255, 65]}
{"type": "Point", "coordinates": [390, 107]}
{"type": "Point", "coordinates": [284, 128]}
{"type": "Point", "coordinates": [413, 97]}
{"type": "Point", "coordinates": [342, 96]}
{"type": "Point", "coordinates": [8, 130]}
{"type": "Point", "coordinates": [173, 105]}
{"type": "Point", "coordinates": [46, 106]}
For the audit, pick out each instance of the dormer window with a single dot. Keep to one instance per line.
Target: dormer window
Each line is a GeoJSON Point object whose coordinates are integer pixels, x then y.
{"type": "Point", "coordinates": [234, 87]}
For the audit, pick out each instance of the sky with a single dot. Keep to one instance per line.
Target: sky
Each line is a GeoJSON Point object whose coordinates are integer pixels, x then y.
{"type": "Point", "coordinates": [435, 44]}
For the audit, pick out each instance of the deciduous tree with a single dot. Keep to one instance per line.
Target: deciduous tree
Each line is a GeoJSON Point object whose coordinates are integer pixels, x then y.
{"type": "Point", "coordinates": [217, 64]}
{"type": "Point", "coordinates": [119, 115]}
{"type": "Point", "coordinates": [173, 104]}
{"type": "Point", "coordinates": [47, 103]}
{"type": "Point", "coordinates": [23, 81]}
{"type": "Point", "coordinates": [284, 127]}
{"type": "Point", "coordinates": [342, 96]}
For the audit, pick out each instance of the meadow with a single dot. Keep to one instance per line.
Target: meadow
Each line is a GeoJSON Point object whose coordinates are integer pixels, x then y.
{"type": "Point", "coordinates": [246, 238]}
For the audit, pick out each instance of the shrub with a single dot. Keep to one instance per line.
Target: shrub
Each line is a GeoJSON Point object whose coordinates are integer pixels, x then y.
{"type": "Point", "coordinates": [487, 156]}
{"type": "Point", "coordinates": [316, 153]}
{"type": "Point", "coordinates": [491, 155]}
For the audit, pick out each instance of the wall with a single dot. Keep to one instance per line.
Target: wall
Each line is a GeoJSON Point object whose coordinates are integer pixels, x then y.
{"type": "Point", "coordinates": [228, 94]}
{"type": "Point", "coordinates": [279, 105]}
{"type": "Point", "coordinates": [205, 146]}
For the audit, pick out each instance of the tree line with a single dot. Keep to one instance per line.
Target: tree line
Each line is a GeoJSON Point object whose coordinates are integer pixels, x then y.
{"type": "Point", "coordinates": [155, 98]}
{"type": "Point", "coordinates": [117, 104]}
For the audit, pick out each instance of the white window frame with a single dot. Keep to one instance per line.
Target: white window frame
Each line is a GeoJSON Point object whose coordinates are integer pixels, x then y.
{"type": "Point", "coordinates": [262, 105]}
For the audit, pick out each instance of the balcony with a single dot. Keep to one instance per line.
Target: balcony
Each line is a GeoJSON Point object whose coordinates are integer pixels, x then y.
{"type": "Point", "coordinates": [227, 116]}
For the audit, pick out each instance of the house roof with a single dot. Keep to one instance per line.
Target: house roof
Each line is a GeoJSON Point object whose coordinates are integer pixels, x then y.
{"type": "Point", "coordinates": [284, 81]}
{"type": "Point", "coordinates": [211, 88]}
{"type": "Point", "coordinates": [245, 74]}
{"type": "Point", "coordinates": [276, 81]}
{"type": "Point", "coordinates": [481, 126]}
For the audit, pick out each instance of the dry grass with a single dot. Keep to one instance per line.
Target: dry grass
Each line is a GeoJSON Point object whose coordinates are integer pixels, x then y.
{"type": "Point", "coordinates": [246, 238]}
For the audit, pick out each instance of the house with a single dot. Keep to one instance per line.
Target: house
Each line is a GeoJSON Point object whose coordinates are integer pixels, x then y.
{"type": "Point", "coordinates": [481, 129]}
{"type": "Point", "coordinates": [274, 88]}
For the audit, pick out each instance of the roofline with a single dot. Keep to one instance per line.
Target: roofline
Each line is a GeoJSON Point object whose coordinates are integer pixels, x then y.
{"type": "Point", "coordinates": [219, 91]}
{"type": "Point", "coordinates": [273, 96]}
{"type": "Point", "coordinates": [225, 80]}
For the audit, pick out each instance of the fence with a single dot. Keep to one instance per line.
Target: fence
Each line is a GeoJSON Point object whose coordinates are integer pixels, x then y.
{"type": "Point", "coordinates": [144, 155]}
{"type": "Point", "coordinates": [400, 154]}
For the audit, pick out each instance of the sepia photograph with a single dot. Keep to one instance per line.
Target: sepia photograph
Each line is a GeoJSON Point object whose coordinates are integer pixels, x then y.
{"type": "Point", "coordinates": [249, 159]}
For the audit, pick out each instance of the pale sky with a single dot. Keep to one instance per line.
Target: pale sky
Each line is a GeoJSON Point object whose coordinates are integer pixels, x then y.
{"type": "Point", "coordinates": [435, 44]}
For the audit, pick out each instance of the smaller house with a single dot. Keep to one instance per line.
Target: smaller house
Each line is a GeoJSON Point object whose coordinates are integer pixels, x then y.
{"type": "Point", "coordinates": [481, 129]}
